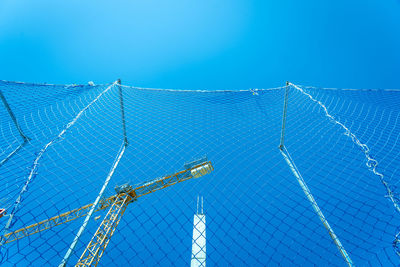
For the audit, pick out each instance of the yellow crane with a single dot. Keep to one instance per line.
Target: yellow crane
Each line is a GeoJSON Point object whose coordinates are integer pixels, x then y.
{"type": "Point", "coordinates": [117, 204]}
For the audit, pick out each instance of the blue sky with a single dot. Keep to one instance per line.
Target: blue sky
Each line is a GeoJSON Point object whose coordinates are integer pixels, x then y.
{"type": "Point", "coordinates": [202, 44]}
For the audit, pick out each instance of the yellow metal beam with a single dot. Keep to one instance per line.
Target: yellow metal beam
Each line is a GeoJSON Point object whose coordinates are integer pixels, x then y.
{"type": "Point", "coordinates": [95, 249]}
{"type": "Point", "coordinates": [141, 190]}
{"type": "Point", "coordinates": [56, 220]}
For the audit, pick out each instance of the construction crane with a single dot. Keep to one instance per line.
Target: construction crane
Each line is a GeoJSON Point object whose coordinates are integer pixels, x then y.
{"type": "Point", "coordinates": [117, 204]}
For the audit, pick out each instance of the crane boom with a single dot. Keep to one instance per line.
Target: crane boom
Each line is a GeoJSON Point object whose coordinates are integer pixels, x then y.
{"type": "Point", "coordinates": [56, 220]}
{"type": "Point", "coordinates": [192, 170]}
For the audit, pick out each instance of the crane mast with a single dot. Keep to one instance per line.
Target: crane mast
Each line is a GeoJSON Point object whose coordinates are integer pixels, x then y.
{"type": "Point", "coordinates": [98, 243]}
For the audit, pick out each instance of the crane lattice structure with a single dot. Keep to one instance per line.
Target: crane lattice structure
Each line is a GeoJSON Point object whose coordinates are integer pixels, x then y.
{"type": "Point", "coordinates": [117, 204]}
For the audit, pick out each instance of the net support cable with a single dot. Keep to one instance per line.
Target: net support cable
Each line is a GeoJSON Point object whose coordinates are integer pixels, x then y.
{"type": "Point", "coordinates": [304, 187]}
{"type": "Point", "coordinates": [21, 133]}
{"type": "Point", "coordinates": [121, 152]}
{"type": "Point", "coordinates": [96, 202]}
{"type": "Point", "coordinates": [35, 164]}
{"type": "Point", "coordinates": [371, 163]}
{"type": "Point", "coordinates": [121, 99]}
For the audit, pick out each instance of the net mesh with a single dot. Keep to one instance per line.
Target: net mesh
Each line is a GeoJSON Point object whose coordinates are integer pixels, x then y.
{"type": "Point", "coordinates": [257, 213]}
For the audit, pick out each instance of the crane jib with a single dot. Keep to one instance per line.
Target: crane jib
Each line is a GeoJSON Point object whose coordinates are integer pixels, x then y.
{"type": "Point", "coordinates": [195, 170]}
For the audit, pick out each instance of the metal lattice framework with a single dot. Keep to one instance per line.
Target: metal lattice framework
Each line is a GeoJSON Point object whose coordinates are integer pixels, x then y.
{"type": "Point", "coordinates": [94, 251]}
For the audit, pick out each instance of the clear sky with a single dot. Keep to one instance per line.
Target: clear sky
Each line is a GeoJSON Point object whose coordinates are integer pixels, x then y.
{"type": "Point", "coordinates": [202, 44]}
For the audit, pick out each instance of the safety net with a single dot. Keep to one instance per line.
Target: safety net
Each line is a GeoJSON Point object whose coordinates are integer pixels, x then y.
{"type": "Point", "coordinates": [323, 193]}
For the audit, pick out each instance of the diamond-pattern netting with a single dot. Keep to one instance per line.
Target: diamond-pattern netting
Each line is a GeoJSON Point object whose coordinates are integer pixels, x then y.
{"type": "Point", "coordinates": [257, 213]}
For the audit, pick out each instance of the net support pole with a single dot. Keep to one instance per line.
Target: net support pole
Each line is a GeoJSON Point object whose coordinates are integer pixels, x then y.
{"type": "Point", "coordinates": [303, 185]}
{"type": "Point", "coordinates": [21, 133]}
{"type": "Point", "coordinates": [122, 112]}
{"type": "Point", "coordinates": [14, 119]}
{"type": "Point", "coordinates": [284, 116]}
{"type": "Point", "coordinates": [35, 164]}
{"type": "Point", "coordinates": [3, 161]}
{"type": "Point", "coordinates": [108, 178]}
{"type": "Point", "coordinates": [315, 206]}
{"type": "Point", "coordinates": [89, 215]}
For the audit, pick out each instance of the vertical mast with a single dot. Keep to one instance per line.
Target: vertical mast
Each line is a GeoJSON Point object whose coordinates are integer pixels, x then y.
{"type": "Point", "coordinates": [199, 238]}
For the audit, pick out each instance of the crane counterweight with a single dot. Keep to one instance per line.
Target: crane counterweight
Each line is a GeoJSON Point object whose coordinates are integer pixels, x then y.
{"type": "Point", "coordinates": [202, 170]}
